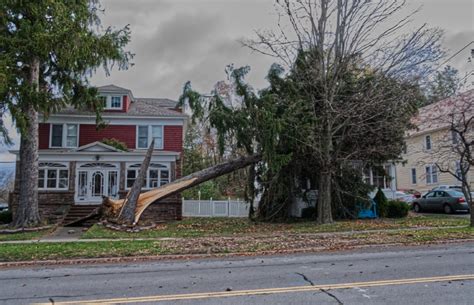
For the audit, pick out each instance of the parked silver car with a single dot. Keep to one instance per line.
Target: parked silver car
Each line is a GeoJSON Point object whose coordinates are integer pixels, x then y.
{"type": "Point", "coordinates": [448, 187]}
{"type": "Point", "coordinates": [448, 201]}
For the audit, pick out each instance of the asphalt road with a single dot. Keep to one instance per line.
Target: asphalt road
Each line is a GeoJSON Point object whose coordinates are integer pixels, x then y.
{"type": "Point", "coordinates": [415, 275]}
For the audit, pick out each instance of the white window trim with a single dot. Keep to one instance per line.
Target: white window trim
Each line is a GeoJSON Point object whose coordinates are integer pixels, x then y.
{"type": "Point", "coordinates": [411, 176]}
{"type": "Point", "coordinates": [57, 188]}
{"type": "Point", "coordinates": [64, 136]}
{"type": "Point", "coordinates": [387, 179]}
{"type": "Point", "coordinates": [150, 137]}
{"type": "Point", "coordinates": [147, 187]}
{"type": "Point", "coordinates": [431, 142]}
{"type": "Point", "coordinates": [108, 102]}
{"type": "Point", "coordinates": [432, 166]}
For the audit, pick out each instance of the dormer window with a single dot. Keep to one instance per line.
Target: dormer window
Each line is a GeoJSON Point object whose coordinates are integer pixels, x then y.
{"type": "Point", "coordinates": [113, 102]}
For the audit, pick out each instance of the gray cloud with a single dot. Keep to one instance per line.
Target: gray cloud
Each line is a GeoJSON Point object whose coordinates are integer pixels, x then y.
{"type": "Point", "coordinates": [180, 40]}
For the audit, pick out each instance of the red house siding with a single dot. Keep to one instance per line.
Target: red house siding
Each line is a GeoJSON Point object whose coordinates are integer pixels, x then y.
{"type": "Point", "coordinates": [123, 133]}
{"type": "Point", "coordinates": [43, 135]}
{"type": "Point", "coordinates": [126, 103]}
{"type": "Point", "coordinates": [173, 138]}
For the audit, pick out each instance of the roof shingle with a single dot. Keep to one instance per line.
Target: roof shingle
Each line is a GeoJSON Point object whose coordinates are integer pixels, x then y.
{"type": "Point", "coordinates": [440, 114]}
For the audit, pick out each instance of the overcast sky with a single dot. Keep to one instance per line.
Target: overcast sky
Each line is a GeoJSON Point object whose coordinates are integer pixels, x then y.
{"type": "Point", "coordinates": [179, 40]}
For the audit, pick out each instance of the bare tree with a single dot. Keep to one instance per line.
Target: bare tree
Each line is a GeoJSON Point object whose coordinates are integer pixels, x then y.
{"type": "Point", "coordinates": [332, 37]}
{"type": "Point", "coordinates": [454, 153]}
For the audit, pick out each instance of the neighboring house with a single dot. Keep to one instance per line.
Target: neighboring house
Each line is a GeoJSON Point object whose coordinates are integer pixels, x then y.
{"type": "Point", "coordinates": [77, 169]}
{"type": "Point", "coordinates": [432, 143]}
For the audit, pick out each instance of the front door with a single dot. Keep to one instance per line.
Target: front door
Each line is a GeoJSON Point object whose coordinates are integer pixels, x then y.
{"type": "Point", "coordinates": [93, 184]}
{"type": "Point", "coordinates": [97, 187]}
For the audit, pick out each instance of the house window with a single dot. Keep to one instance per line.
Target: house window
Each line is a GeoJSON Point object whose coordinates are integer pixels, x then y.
{"type": "Point", "coordinates": [378, 176]}
{"type": "Point", "coordinates": [64, 135]}
{"type": "Point", "coordinates": [157, 135]}
{"type": "Point", "coordinates": [116, 102]}
{"type": "Point", "coordinates": [428, 143]}
{"type": "Point", "coordinates": [381, 177]}
{"type": "Point", "coordinates": [455, 137]}
{"type": "Point", "coordinates": [112, 102]}
{"type": "Point", "coordinates": [413, 176]}
{"type": "Point", "coordinates": [157, 175]}
{"type": "Point", "coordinates": [57, 135]}
{"type": "Point", "coordinates": [142, 137]}
{"type": "Point", "coordinates": [145, 134]}
{"type": "Point", "coordinates": [71, 135]}
{"type": "Point", "coordinates": [53, 176]}
{"type": "Point", "coordinates": [431, 174]}
{"type": "Point", "coordinates": [458, 170]}
{"type": "Point", "coordinates": [131, 176]}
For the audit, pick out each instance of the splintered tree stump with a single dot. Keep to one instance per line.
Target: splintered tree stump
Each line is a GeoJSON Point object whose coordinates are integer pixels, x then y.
{"type": "Point", "coordinates": [111, 208]}
{"type": "Point", "coordinates": [127, 213]}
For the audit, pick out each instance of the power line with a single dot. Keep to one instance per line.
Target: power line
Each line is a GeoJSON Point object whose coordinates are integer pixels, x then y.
{"type": "Point", "coordinates": [455, 54]}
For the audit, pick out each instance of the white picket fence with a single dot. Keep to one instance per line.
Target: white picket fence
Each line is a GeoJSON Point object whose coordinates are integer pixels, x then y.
{"type": "Point", "coordinates": [215, 208]}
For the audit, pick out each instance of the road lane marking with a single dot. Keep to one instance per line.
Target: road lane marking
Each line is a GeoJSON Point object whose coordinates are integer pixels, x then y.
{"type": "Point", "coordinates": [266, 291]}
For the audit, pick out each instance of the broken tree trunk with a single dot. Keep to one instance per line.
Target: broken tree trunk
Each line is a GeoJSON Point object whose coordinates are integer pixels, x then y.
{"type": "Point", "coordinates": [112, 207]}
{"type": "Point", "coordinates": [127, 214]}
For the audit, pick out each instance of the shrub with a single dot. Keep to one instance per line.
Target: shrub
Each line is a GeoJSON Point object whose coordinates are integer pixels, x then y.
{"type": "Point", "coordinates": [397, 209]}
{"type": "Point", "coordinates": [115, 143]}
{"type": "Point", "coordinates": [5, 217]}
{"type": "Point", "coordinates": [308, 213]}
{"type": "Point", "coordinates": [382, 203]}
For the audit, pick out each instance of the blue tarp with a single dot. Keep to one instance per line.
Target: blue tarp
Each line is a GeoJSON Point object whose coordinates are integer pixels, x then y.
{"type": "Point", "coordinates": [365, 213]}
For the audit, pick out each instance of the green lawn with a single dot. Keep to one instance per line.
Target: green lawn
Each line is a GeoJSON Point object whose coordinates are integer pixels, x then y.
{"type": "Point", "coordinates": [48, 251]}
{"type": "Point", "coordinates": [202, 227]}
{"type": "Point", "coordinates": [231, 235]}
{"type": "Point", "coordinates": [292, 242]}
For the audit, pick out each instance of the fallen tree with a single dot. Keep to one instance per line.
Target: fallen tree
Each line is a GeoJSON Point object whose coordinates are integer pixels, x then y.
{"type": "Point", "coordinates": [127, 213]}
{"type": "Point", "coordinates": [111, 208]}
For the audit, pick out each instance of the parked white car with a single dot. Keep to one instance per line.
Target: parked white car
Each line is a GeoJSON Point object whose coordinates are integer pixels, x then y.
{"type": "Point", "coordinates": [399, 195]}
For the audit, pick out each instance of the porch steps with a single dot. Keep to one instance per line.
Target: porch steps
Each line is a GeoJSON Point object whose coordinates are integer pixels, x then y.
{"type": "Point", "coordinates": [80, 215]}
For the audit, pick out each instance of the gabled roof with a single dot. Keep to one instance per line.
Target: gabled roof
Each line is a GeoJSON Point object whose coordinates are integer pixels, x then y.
{"type": "Point", "coordinates": [99, 147]}
{"type": "Point", "coordinates": [112, 88]}
{"type": "Point", "coordinates": [162, 102]}
{"type": "Point", "coordinates": [440, 114]}
{"type": "Point", "coordinates": [139, 107]}
{"type": "Point", "coordinates": [115, 89]}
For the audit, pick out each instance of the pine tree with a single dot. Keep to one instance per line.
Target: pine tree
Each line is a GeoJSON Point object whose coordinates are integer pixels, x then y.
{"type": "Point", "coordinates": [49, 50]}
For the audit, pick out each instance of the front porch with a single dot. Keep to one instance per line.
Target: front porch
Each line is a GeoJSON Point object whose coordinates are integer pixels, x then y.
{"type": "Point", "coordinates": [82, 177]}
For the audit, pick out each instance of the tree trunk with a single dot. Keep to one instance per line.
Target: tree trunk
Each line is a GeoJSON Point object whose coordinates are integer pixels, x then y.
{"type": "Point", "coordinates": [127, 215]}
{"type": "Point", "coordinates": [27, 214]}
{"type": "Point", "coordinates": [324, 209]}
{"type": "Point", "coordinates": [472, 213]}
{"type": "Point", "coordinates": [145, 199]}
